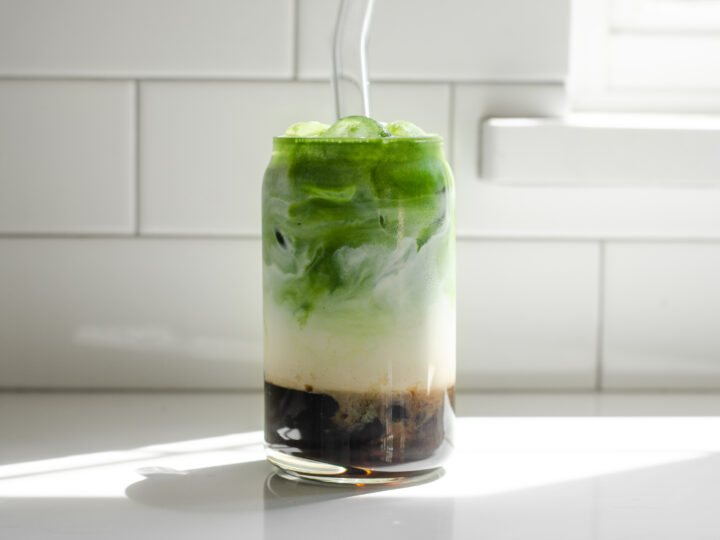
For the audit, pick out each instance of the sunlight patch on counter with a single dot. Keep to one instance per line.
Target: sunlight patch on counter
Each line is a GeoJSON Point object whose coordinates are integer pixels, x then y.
{"type": "Point", "coordinates": [108, 474]}
{"type": "Point", "coordinates": [501, 455]}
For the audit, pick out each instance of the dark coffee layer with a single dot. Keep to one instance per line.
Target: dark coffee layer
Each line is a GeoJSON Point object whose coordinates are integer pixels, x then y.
{"type": "Point", "coordinates": [367, 430]}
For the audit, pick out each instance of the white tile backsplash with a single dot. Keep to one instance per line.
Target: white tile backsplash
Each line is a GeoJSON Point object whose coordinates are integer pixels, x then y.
{"type": "Point", "coordinates": [130, 313]}
{"type": "Point", "coordinates": [206, 84]}
{"type": "Point", "coordinates": [662, 316]}
{"type": "Point", "coordinates": [216, 38]}
{"type": "Point", "coordinates": [450, 40]}
{"type": "Point", "coordinates": [67, 157]}
{"type": "Point", "coordinates": [527, 315]}
{"type": "Point", "coordinates": [204, 147]}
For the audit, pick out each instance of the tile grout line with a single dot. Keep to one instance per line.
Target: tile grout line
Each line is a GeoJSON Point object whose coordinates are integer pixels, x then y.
{"type": "Point", "coordinates": [10, 390]}
{"type": "Point", "coordinates": [296, 40]}
{"type": "Point", "coordinates": [475, 391]}
{"type": "Point", "coordinates": [129, 236]}
{"type": "Point", "coordinates": [137, 158]}
{"type": "Point", "coordinates": [190, 78]}
{"type": "Point", "coordinates": [599, 367]}
{"type": "Point", "coordinates": [465, 237]}
{"type": "Point", "coordinates": [481, 237]}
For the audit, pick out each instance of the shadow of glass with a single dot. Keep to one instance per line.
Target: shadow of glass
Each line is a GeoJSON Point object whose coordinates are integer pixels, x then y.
{"type": "Point", "coordinates": [253, 488]}
{"type": "Point", "coordinates": [225, 488]}
{"type": "Point", "coordinates": [237, 486]}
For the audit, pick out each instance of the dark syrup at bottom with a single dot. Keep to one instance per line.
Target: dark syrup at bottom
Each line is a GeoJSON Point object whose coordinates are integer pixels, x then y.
{"type": "Point", "coordinates": [389, 431]}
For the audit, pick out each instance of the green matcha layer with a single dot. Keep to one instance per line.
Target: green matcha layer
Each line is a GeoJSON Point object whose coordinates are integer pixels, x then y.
{"type": "Point", "coordinates": [358, 257]}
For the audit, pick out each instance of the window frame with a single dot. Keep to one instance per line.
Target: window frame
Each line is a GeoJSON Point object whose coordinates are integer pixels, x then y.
{"type": "Point", "coordinates": [593, 85]}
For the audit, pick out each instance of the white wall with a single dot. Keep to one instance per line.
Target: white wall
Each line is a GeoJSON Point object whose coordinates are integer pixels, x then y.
{"type": "Point", "coordinates": [133, 137]}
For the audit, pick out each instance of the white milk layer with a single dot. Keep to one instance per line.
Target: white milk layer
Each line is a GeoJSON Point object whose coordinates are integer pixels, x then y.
{"type": "Point", "coordinates": [420, 356]}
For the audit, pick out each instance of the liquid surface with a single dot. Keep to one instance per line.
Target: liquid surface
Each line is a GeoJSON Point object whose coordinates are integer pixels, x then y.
{"type": "Point", "coordinates": [356, 127]}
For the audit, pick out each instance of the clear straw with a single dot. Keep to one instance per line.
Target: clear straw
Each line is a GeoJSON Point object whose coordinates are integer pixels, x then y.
{"type": "Point", "coordinates": [350, 78]}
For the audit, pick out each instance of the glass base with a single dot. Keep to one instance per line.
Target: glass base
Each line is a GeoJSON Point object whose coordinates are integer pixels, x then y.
{"type": "Point", "coordinates": [302, 469]}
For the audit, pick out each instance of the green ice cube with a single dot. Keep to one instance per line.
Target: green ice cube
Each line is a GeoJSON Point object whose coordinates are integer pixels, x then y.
{"type": "Point", "coordinates": [356, 127]}
{"type": "Point", "coordinates": [402, 128]}
{"type": "Point", "coordinates": [306, 129]}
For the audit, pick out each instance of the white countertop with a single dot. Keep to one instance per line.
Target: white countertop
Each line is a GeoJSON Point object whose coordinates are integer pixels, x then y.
{"type": "Point", "coordinates": [567, 466]}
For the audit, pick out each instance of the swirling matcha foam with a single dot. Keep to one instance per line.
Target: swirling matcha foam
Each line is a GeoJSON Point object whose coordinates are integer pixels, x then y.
{"type": "Point", "coordinates": [358, 258]}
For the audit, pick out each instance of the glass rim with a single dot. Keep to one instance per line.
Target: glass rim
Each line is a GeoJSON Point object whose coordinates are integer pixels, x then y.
{"type": "Point", "coordinates": [359, 140]}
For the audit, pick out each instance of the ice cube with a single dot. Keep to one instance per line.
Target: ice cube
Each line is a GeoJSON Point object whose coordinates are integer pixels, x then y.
{"type": "Point", "coordinates": [306, 129]}
{"type": "Point", "coordinates": [402, 128]}
{"type": "Point", "coordinates": [356, 127]}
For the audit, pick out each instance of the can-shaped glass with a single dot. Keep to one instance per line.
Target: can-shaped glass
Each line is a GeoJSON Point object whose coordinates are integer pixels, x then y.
{"type": "Point", "coordinates": [358, 249]}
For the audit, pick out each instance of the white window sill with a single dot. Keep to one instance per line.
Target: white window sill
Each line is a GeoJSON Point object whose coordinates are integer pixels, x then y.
{"type": "Point", "coordinates": [603, 150]}
{"type": "Point", "coordinates": [593, 177]}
